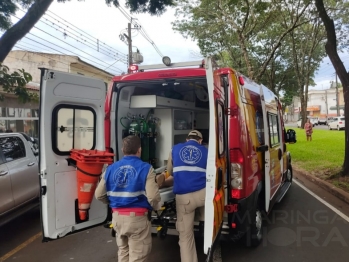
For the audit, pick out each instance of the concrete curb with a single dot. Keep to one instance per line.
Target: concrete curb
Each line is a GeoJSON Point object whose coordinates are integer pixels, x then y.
{"type": "Point", "coordinates": [340, 193]}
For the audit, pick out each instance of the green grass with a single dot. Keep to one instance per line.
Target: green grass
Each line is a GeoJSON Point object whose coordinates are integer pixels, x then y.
{"type": "Point", "coordinates": [341, 184]}
{"type": "Point", "coordinates": [323, 156]}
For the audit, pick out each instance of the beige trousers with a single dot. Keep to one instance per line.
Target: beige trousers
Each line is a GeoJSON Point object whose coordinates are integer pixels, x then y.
{"type": "Point", "coordinates": [133, 237]}
{"type": "Point", "coordinates": [188, 206]}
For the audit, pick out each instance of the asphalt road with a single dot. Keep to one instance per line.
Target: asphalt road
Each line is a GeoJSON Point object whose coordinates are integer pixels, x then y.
{"type": "Point", "coordinates": [300, 228]}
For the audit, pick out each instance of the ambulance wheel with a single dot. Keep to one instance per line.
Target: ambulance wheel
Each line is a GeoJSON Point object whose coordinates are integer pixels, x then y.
{"type": "Point", "coordinates": [289, 174]}
{"type": "Point", "coordinates": [254, 234]}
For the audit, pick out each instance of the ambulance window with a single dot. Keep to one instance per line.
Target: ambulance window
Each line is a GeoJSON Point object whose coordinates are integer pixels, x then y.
{"type": "Point", "coordinates": [73, 127]}
{"type": "Point", "coordinates": [273, 129]}
{"type": "Point", "coordinates": [220, 124]}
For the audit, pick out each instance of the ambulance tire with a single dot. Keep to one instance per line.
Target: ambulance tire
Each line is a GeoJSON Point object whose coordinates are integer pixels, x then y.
{"type": "Point", "coordinates": [254, 234]}
{"type": "Point", "coordinates": [289, 175]}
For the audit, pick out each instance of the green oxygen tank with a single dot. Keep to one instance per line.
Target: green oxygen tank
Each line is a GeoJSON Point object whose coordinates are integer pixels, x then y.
{"type": "Point", "coordinates": [144, 136]}
{"type": "Point", "coordinates": [152, 141]}
{"type": "Point", "coordinates": [134, 128]}
{"type": "Point", "coordinates": [125, 131]}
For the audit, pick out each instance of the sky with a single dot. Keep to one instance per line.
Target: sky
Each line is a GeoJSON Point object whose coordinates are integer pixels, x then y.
{"type": "Point", "coordinates": [106, 23]}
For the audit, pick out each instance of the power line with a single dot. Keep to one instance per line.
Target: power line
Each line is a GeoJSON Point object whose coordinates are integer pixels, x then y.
{"type": "Point", "coordinates": [25, 48]}
{"type": "Point", "coordinates": [140, 29]}
{"type": "Point", "coordinates": [73, 26]}
{"type": "Point", "coordinates": [65, 48]}
{"type": "Point", "coordinates": [116, 55]}
{"type": "Point", "coordinates": [87, 43]}
{"type": "Point", "coordinates": [95, 43]}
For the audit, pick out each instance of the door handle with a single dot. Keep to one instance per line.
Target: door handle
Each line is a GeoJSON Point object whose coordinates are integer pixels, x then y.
{"type": "Point", "coordinates": [3, 173]}
{"type": "Point", "coordinates": [31, 163]}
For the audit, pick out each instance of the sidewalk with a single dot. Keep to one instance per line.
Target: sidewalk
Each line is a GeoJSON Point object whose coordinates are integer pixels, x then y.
{"type": "Point", "coordinates": [339, 193]}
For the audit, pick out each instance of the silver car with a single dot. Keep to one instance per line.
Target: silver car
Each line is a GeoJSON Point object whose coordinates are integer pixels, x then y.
{"type": "Point", "coordinates": [19, 181]}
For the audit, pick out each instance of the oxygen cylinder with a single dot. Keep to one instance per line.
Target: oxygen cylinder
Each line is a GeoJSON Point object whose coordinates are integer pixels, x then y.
{"type": "Point", "coordinates": [144, 136]}
{"type": "Point", "coordinates": [152, 141]}
{"type": "Point", "coordinates": [125, 131]}
{"type": "Point", "coordinates": [134, 128]}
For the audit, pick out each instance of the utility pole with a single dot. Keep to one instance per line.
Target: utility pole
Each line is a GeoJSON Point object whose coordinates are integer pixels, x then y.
{"type": "Point", "coordinates": [129, 38]}
{"type": "Point", "coordinates": [337, 102]}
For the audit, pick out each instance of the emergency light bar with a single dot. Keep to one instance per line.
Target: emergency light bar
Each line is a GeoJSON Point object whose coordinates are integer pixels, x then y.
{"type": "Point", "coordinates": [173, 65]}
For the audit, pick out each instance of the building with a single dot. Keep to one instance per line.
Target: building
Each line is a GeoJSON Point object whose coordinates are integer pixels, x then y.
{"type": "Point", "coordinates": [18, 117]}
{"type": "Point", "coordinates": [321, 103]}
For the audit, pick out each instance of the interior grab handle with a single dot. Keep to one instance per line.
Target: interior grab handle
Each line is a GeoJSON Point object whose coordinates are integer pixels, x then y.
{"type": "Point", "coordinates": [31, 163]}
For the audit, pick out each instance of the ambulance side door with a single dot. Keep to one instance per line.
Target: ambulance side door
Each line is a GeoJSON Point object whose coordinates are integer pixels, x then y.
{"type": "Point", "coordinates": [71, 116]}
{"type": "Point", "coordinates": [217, 162]}
{"type": "Point", "coordinates": [272, 138]}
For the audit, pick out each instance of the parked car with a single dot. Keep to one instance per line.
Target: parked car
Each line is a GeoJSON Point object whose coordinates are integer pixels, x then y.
{"type": "Point", "coordinates": [314, 121]}
{"type": "Point", "coordinates": [322, 121]}
{"type": "Point", "coordinates": [19, 181]}
{"type": "Point", "coordinates": [299, 122]}
{"type": "Point", "coordinates": [330, 119]}
{"type": "Point", "coordinates": [337, 123]}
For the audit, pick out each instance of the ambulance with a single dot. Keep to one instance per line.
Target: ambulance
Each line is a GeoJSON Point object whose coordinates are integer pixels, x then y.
{"type": "Point", "coordinates": [248, 166]}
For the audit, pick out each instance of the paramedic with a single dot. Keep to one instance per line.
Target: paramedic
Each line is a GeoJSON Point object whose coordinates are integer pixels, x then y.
{"type": "Point", "coordinates": [187, 167]}
{"type": "Point", "coordinates": [129, 187]}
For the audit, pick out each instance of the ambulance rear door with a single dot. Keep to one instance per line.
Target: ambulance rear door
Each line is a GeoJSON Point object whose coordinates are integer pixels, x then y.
{"type": "Point", "coordinates": [71, 116]}
{"type": "Point", "coordinates": [217, 162]}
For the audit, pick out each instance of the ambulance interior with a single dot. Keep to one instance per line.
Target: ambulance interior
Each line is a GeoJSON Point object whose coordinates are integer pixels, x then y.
{"type": "Point", "coordinates": [175, 106]}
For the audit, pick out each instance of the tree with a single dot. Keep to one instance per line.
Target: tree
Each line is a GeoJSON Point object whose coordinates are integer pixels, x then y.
{"type": "Point", "coordinates": [248, 31]}
{"type": "Point", "coordinates": [37, 8]}
{"type": "Point", "coordinates": [331, 50]}
{"type": "Point", "coordinates": [15, 83]}
{"type": "Point", "coordinates": [307, 53]}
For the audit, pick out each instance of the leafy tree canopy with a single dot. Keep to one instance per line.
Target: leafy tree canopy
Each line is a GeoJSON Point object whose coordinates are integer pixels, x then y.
{"type": "Point", "coordinates": [15, 83]}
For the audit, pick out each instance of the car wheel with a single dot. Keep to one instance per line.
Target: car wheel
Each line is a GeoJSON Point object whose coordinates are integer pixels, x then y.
{"type": "Point", "coordinates": [254, 235]}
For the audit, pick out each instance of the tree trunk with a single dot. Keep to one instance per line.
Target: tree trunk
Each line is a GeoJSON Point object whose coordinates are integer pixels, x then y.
{"type": "Point", "coordinates": [331, 50]}
{"type": "Point", "coordinates": [22, 27]}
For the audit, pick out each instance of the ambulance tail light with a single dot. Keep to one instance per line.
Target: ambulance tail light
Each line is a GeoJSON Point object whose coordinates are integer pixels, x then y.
{"type": "Point", "coordinates": [236, 172]}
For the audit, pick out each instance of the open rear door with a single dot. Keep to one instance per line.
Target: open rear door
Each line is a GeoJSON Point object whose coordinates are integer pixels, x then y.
{"type": "Point", "coordinates": [217, 162]}
{"type": "Point", "coordinates": [71, 116]}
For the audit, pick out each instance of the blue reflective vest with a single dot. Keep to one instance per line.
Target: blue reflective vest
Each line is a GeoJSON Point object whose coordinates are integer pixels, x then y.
{"type": "Point", "coordinates": [189, 167]}
{"type": "Point", "coordinates": [125, 182]}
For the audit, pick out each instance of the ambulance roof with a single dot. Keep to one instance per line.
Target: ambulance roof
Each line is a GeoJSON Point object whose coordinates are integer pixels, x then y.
{"type": "Point", "coordinates": [161, 74]}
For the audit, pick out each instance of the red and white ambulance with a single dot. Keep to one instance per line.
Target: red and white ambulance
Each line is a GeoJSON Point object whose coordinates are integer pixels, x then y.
{"type": "Point", "coordinates": [248, 166]}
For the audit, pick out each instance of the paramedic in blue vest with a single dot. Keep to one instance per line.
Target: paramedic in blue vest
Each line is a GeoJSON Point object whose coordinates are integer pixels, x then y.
{"type": "Point", "coordinates": [129, 187]}
{"type": "Point", "coordinates": [187, 167]}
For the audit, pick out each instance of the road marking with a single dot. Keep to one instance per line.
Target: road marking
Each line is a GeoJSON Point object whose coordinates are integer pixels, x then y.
{"type": "Point", "coordinates": [345, 217]}
{"type": "Point", "coordinates": [21, 246]}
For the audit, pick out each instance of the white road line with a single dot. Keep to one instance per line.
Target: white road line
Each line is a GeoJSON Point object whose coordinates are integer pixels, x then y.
{"type": "Point", "coordinates": [345, 217]}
